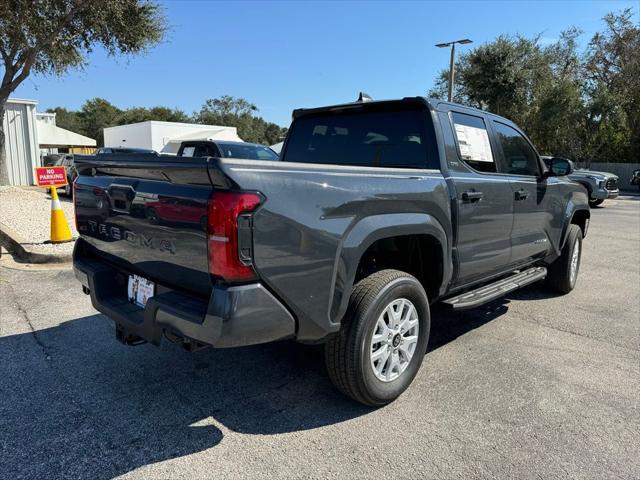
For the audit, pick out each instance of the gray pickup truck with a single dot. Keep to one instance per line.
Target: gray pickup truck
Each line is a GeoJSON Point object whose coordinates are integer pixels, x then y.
{"type": "Point", "coordinates": [600, 186]}
{"type": "Point", "coordinates": [374, 211]}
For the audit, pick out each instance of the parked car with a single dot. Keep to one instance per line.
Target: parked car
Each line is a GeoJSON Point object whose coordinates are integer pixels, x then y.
{"type": "Point", "coordinates": [375, 211]}
{"type": "Point", "coordinates": [600, 185]}
{"type": "Point", "coordinates": [226, 149]}
{"type": "Point", "coordinates": [54, 159]}
{"type": "Point", "coordinates": [635, 178]}
{"type": "Point", "coordinates": [132, 151]}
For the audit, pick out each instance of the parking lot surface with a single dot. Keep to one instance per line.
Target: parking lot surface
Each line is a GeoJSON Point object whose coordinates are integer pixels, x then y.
{"type": "Point", "coordinates": [532, 386]}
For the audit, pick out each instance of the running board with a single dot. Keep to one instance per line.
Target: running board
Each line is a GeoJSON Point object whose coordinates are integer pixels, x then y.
{"type": "Point", "coordinates": [487, 293]}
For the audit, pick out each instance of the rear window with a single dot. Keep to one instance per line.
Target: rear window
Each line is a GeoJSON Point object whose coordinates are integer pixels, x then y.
{"type": "Point", "coordinates": [378, 139]}
{"type": "Point", "coordinates": [251, 152]}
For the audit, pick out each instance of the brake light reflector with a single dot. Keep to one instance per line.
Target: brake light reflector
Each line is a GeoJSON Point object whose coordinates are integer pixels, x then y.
{"type": "Point", "coordinates": [222, 228]}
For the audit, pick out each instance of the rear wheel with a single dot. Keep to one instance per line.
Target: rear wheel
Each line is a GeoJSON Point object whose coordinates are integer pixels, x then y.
{"type": "Point", "coordinates": [383, 340]}
{"type": "Point", "coordinates": [595, 202]}
{"type": "Point", "coordinates": [562, 274]}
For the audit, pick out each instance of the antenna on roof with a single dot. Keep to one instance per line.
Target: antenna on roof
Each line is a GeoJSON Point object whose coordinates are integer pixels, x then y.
{"type": "Point", "coordinates": [364, 97]}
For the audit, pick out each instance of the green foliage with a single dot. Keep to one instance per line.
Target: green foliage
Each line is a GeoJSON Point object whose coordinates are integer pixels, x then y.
{"type": "Point", "coordinates": [52, 36]}
{"type": "Point", "coordinates": [97, 114]}
{"type": "Point", "coordinates": [142, 114]}
{"type": "Point", "coordinates": [67, 119]}
{"type": "Point", "coordinates": [580, 105]}
{"type": "Point", "coordinates": [238, 112]}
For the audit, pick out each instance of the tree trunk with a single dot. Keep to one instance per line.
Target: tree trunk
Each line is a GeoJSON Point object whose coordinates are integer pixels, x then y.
{"type": "Point", "coordinates": [4, 168]}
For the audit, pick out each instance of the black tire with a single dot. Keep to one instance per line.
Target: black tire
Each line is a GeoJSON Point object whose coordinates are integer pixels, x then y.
{"type": "Point", "coordinates": [559, 272]}
{"type": "Point", "coordinates": [595, 202]}
{"type": "Point", "coordinates": [347, 355]}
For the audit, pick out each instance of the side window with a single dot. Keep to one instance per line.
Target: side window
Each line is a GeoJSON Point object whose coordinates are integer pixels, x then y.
{"type": "Point", "coordinates": [519, 157]}
{"type": "Point", "coordinates": [204, 150]}
{"type": "Point", "coordinates": [473, 142]}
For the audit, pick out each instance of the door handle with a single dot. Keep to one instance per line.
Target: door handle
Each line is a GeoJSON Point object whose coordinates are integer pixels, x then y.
{"type": "Point", "coordinates": [521, 194]}
{"type": "Point", "coordinates": [471, 196]}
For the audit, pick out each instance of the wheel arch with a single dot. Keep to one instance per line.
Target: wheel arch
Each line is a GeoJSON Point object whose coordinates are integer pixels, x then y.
{"type": "Point", "coordinates": [371, 231]}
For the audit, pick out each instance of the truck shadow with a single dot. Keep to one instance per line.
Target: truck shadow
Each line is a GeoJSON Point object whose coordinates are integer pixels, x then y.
{"type": "Point", "coordinates": [76, 403]}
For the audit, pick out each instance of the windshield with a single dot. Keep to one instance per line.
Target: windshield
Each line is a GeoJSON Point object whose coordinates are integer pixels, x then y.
{"type": "Point", "coordinates": [251, 152]}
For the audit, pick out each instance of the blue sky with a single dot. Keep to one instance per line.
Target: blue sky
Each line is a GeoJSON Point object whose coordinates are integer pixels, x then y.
{"type": "Point", "coordinates": [286, 55]}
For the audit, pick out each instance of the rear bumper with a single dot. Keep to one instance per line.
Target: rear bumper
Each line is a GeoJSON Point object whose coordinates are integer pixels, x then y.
{"type": "Point", "coordinates": [233, 315]}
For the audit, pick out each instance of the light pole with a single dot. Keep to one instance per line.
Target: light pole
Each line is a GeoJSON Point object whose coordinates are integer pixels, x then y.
{"type": "Point", "coordinates": [451, 62]}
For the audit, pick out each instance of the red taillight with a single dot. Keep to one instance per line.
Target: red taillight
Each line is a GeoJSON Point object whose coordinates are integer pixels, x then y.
{"type": "Point", "coordinates": [222, 228]}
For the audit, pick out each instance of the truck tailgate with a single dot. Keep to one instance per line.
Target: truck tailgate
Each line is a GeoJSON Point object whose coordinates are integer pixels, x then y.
{"type": "Point", "coordinates": [148, 216]}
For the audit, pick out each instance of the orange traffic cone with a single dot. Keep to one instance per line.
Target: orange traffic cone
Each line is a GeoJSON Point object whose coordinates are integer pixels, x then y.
{"type": "Point", "coordinates": [60, 232]}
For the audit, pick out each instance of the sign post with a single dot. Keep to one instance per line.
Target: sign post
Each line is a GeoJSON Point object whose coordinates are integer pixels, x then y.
{"type": "Point", "coordinates": [55, 177]}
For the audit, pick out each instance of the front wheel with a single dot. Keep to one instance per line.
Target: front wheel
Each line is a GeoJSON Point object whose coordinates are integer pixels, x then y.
{"type": "Point", "coordinates": [383, 340]}
{"type": "Point", "coordinates": [562, 274]}
{"type": "Point", "coordinates": [595, 202]}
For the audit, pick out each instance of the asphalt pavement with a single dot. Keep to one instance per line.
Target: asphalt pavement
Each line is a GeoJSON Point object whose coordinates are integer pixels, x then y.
{"type": "Point", "coordinates": [532, 386]}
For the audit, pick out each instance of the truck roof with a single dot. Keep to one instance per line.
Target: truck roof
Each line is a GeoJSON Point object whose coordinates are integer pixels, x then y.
{"type": "Point", "coordinates": [430, 103]}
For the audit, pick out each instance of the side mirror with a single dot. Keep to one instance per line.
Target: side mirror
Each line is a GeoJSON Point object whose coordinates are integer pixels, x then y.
{"type": "Point", "coordinates": [560, 167]}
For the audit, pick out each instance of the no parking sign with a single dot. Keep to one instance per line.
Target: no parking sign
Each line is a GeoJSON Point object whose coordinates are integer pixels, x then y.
{"type": "Point", "coordinates": [50, 176]}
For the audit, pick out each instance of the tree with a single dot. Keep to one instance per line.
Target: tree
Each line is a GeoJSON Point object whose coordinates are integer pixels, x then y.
{"type": "Point", "coordinates": [143, 114]}
{"type": "Point", "coordinates": [238, 112]}
{"type": "Point", "coordinates": [612, 86]}
{"type": "Point", "coordinates": [95, 115]}
{"type": "Point", "coordinates": [67, 119]}
{"type": "Point", "coordinates": [52, 36]}
{"type": "Point", "coordinates": [580, 105]}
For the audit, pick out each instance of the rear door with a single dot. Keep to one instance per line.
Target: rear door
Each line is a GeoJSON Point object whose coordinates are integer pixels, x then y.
{"type": "Point", "coordinates": [482, 200]}
{"type": "Point", "coordinates": [532, 194]}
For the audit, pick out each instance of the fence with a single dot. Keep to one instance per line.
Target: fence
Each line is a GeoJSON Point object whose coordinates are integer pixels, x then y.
{"type": "Point", "coordinates": [622, 170]}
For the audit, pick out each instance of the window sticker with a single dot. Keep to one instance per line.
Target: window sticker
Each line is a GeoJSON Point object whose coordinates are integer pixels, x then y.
{"type": "Point", "coordinates": [474, 143]}
{"type": "Point", "coordinates": [188, 151]}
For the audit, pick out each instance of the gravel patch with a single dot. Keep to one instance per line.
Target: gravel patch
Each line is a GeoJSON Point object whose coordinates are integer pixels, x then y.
{"type": "Point", "coordinates": [27, 211]}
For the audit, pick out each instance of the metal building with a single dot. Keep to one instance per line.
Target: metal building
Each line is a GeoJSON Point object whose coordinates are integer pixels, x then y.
{"type": "Point", "coordinates": [165, 137]}
{"type": "Point", "coordinates": [21, 140]}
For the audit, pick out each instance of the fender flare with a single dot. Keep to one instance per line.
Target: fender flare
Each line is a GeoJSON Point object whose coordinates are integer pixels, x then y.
{"type": "Point", "coordinates": [570, 212]}
{"type": "Point", "coordinates": [369, 230]}
{"type": "Point", "coordinates": [586, 185]}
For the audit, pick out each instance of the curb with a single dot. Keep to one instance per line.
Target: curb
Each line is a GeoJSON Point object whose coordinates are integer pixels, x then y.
{"type": "Point", "coordinates": [12, 242]}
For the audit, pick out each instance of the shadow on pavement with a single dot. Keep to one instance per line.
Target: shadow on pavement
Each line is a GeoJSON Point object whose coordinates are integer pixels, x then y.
{"type": "Point", "coordinates": [76, 403]}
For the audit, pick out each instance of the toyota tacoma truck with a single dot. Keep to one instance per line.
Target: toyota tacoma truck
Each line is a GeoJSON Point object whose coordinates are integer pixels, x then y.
{"type": "Point", "coordinates": [374, 211]}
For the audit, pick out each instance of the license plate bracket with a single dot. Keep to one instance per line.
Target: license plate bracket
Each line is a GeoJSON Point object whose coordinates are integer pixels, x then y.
{"type": "Point", "coordinates": [140, 290]}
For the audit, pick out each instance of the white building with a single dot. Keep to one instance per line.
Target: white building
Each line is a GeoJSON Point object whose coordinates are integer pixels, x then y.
{"type": "Point", "coordinates": [53, 139]}
{"type": "Point", "coordinates": [29, 135]}
{"type": "Point", "coordinates": [164, 137]}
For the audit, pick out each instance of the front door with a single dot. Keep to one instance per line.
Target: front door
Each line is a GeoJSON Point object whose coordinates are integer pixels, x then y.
{"type": "Point", "coordinates": [533, 213]}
